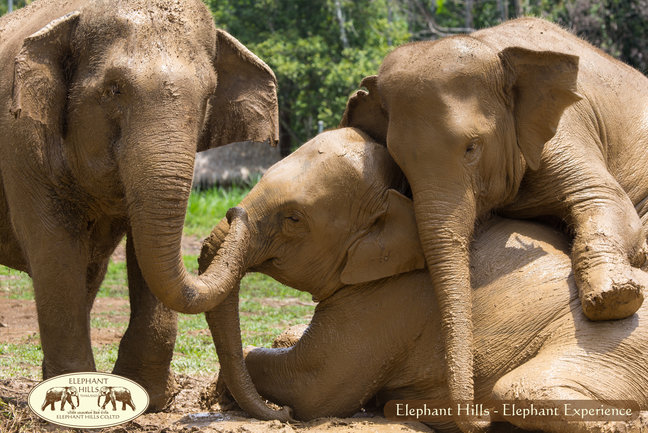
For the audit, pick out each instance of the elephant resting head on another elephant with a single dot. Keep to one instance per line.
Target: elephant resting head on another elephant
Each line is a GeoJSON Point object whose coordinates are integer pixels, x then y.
{"type": "Point", "coordinates": [335, 227]}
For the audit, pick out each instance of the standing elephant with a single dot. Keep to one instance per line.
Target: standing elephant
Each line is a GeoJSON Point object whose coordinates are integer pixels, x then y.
{"type": "Point", "coordinates": [114, 394]}
{"type": "Point", "coordinates": [510, 119]}
{"type": "Point", "coordinates": [63, 394]}
{"type": "Point", "coordinates": [104, 104]}
{"type": "Point", "coordinates": [337, 227]}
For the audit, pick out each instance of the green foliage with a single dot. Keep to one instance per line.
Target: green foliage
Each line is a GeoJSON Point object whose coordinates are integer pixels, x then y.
{"type": "Point", "coordinates": [17, 4]}
{"type": "Point", "coordinates": [318, 59]}
{"type": "Point", "coordinates": [206, 208]}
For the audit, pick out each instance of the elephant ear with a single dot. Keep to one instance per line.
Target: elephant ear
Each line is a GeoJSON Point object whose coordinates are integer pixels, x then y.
{"type": "Point", "coordinates": [244, 106]}
{"type": "Point", "coordinates": [40, 84]}
{"type": "Point", "coordinates": [389, 248]}
{"type": "Point", "coordinates": [364, 111]}
{"type": "Point", "coordinates": [544, 84]}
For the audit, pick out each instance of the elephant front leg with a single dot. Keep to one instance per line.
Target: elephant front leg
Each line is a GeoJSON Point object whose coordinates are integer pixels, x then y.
{"type": "Point", "coordinates": [608, 249]}
{"type": "Point", "coordinates": [58, 268]}
{"type": "Point", "coordinates": [146, 349]}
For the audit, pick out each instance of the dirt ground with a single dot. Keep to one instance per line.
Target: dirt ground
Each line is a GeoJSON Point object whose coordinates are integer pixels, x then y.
{"type": "Point", "coordinates": [18, 324]}
{"type": "Point", "coordinates": [185, 415]}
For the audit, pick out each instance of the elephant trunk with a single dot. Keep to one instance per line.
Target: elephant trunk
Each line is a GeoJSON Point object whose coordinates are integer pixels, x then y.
{"type": "Point", "coordinates": [157, 184]}
{"type": "Point", "coordinates": [445, 229]}
{"type": "Point", "coordinates": [99, 400]}
{"type": "Point", "coordinates": [224, 325]}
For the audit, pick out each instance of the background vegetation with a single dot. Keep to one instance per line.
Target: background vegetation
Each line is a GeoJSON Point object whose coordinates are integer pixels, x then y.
{"type": "Point", "coordinates": [321, 49]}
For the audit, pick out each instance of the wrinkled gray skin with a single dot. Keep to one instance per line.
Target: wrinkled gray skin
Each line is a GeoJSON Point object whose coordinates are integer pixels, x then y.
{"type": "Point", "coordinates": [374, 337]}
{"type": "Point", "coordinates": [113, 394]}
{"type": "Point", "coordinates": [527, 119]}
{"type": "Point", "coordinates": [103, 105]}
{"type": "Point", "coordinates": [62, 394]}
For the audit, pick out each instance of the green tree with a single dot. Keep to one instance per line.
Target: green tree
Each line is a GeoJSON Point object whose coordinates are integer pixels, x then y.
{"type": "Point", "coordinates": [319, 50]}
{"type": "Point", "coordinates": [17, 4]}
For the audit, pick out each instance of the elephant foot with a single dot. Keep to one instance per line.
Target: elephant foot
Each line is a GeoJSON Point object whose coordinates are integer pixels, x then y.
{"type": "Point", "coordinates": [161, 395]}
{"type": "Point", "coordinates": [217, 393]}
{"type": "Point", "coordinates": [613, 293]}
{"type": "Point", "coordinates": [161, 388]}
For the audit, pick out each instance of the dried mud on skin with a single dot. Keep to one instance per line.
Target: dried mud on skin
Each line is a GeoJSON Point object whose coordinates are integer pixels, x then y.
{"type": "Point", "coordinates": [185, 415]}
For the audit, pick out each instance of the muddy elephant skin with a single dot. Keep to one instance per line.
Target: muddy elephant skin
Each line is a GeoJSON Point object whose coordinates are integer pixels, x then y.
{"type": "Point", "coordinates": [377, 332]}
{"type": "Point", "coordinates": [103, 107]}
{"type": "Point", "coordinates": [61, 394]}
{"type": "Point", "coordinates": [530, 120]}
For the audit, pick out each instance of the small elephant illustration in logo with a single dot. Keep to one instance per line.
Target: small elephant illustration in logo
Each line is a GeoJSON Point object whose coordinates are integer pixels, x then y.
{"type": "Point", "coordinates": [63, 394]}
{"type": "Point", "coordinates": [113, 394]}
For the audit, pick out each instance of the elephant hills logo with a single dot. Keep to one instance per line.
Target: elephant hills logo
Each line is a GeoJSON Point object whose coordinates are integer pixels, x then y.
{"type": "Point", "coordinates": [88, 400]}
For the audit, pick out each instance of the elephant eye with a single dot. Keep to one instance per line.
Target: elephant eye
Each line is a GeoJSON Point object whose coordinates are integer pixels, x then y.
{"type": "Point", "coordinates": [294, 223]}
{"type": "Point", "coordinates": [473, 150]}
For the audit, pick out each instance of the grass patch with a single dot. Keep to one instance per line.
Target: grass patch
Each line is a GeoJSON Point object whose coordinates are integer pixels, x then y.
{"type": "Point", "coordinates": [206, 208]}
{"type": "Point", "coordinates": [15, 284]}
{"type": "Point", "coordinates": [267, 307]}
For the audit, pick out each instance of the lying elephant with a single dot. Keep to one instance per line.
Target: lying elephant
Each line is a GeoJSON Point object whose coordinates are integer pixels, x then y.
{"type": "Point", "coordinates": [103, 107]}
{"type": "Point", "coordinates": [527, 119]}
{"type": "Point", "coordinates": [335, 225]}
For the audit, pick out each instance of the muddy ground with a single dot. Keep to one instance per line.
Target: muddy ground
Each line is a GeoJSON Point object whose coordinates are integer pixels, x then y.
{"type": "Point", "coordinates": [18, 325]}
{"type": "Point", "coordinates": [186, 415]}
{"type": "Point", "coordinates": [18, 318]}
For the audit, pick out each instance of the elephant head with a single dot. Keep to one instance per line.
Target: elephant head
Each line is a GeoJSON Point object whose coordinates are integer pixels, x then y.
{"type": "Point", "coordinates": [331, 214]}
{"type": "Point", "coordinates": [323, 217]}
{"type": "Point", "coordinates": [70, 391]}
{"type": "Point", "coordinates": [116, 97]}
{"type": "Point", "coordinates": [105, 391]}
{"type": "Point", "coordinates": [463, 121]}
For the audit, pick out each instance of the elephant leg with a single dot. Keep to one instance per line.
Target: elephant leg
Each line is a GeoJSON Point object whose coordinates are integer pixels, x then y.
{"type": "Point", "coordinates": [58, 269]}
{"type": "Point", "coordinates": [547, 381]}
{"type": "Point", "coordinates": [146, 349]}
{"type": "Point", "coordinates": [609, 244]}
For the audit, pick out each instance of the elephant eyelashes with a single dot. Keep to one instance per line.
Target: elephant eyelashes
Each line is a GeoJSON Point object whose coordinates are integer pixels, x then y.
{"type": "Point", "coordinates": [293, 224]}
{"type": "Point", "coordinates": [112, 89]}
{"type": "Point", "coordinates": [473, 151]}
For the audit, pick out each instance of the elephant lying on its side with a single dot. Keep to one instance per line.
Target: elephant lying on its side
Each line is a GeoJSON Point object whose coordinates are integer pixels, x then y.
{"type": "Point", "coordinates": [337, 229]}
{"type": "Point", "coordinates": [527, 119]}
{"type": "Point", "coordinates": [103, 105]}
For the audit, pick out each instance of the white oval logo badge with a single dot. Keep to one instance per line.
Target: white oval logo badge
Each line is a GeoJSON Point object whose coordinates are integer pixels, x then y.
{"type": "Point", "coordinates": [88, 400]}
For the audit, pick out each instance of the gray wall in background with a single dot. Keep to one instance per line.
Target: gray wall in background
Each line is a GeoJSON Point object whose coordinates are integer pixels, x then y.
{"type": "Point", "coordinates": [232, 164]}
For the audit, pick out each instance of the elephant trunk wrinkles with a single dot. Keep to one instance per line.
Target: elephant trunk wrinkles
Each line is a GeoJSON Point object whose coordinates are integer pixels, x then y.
{"type": "Point", "coordinates": [445, 240]}
{"type": "Point", "coordinates": [223, 323]}
{"type": "Point", "coordinates": [157, 192]}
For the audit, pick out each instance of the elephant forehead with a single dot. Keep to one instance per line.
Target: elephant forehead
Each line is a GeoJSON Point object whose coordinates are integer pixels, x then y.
{"type": "Point", "coordinates": [424, 67]}
{"type": "Point", "coordinates": [342, 154]}
{"type": "Point", "coordinates": [161, 23]}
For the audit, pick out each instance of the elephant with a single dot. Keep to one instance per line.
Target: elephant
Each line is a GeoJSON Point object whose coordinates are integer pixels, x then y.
{"type": "Point", "coordinates": [527, 120]}
{"type": "Point", "coordinates": [338, 226]}
{"type": "Point", "coordinates": [104, 105]}
{"type": "Point", "coordinates": [63, 394]}
{"type": "Point", "coordinates": [113, 394]}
